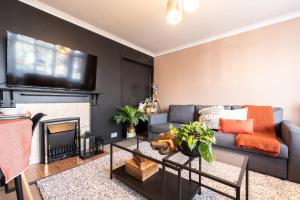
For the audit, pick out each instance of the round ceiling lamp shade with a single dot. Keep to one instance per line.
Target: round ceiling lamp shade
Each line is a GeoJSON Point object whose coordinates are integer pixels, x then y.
{"type": "Point", "coordinates": [190, 6]}
{"type": "Point", "coordinates": [174, 11]}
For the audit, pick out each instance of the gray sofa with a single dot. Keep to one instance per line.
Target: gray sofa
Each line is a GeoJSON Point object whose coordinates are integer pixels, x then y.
{"type": "Point", "coordinates": [285, 166]}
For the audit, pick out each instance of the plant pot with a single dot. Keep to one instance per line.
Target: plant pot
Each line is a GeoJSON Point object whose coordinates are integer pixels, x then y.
{"type": "Point", "coordinates": [131, 132]}
{"type": "Point", "coordinates": [184, 149]}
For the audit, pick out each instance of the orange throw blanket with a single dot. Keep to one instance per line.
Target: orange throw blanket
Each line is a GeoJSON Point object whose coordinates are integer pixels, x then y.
{"type": "Point", "coordinates": [264, 136]}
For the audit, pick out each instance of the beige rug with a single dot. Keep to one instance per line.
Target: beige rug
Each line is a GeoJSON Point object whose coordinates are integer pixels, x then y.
{"type": "Point", "coordinates": [91, 181]}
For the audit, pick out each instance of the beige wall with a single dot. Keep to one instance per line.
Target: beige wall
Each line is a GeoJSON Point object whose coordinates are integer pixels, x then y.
{"type": "Point", "coordinates": [260, 67]}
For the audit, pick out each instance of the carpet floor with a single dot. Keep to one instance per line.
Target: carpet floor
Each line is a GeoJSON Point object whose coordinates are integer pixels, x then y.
{"type": "Point", "coordinates": [91, 181]}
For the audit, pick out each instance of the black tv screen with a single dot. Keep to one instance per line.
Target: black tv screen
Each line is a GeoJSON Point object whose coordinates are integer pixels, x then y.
{"type": "Point", "coordinates": [32, 62]}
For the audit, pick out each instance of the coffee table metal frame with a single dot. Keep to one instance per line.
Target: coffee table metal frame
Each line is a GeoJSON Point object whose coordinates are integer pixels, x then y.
{"type": "Point", "coordinates": [167, 163]}
{"type": "Point", "coordinates": [187, 166]}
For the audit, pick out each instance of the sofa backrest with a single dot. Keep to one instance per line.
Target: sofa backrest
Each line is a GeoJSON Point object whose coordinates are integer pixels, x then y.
{"type": "Point", "coordinates": [278, 115]}
{"type": "Point", "coordinates": [188, 113]}
{"type": "Point", "coordinates": [181, 113]}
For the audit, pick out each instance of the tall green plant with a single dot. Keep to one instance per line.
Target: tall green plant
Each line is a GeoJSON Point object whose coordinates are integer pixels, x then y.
{"type": "Point", "coordinates": [130, 115]}
{"type": "Point", "coordinates": [196, 135]}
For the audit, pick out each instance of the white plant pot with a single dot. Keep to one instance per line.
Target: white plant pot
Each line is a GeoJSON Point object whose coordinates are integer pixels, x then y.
{"type": "Point", "coordinates": [131, 134]}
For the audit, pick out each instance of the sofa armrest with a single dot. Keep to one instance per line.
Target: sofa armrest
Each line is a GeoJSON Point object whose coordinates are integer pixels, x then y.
{"type": "Point", "coordinates": [290, 134]}
{"type": "Point", "coordinates": [158, 118]}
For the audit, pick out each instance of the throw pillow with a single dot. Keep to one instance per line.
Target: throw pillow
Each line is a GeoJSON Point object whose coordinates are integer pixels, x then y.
{"type": "Point", "coordinates": [239, 114]}
{"type": "Point", "coordinates": [236, 126]}
{"type": "Point", "coordinates": [211, 116]}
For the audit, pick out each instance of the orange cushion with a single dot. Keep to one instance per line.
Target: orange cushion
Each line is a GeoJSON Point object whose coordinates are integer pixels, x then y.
{"type": "Point", "coordinates": [236, 126]}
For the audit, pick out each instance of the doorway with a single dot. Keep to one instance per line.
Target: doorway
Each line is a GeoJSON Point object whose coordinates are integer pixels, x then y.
{"type": "Point", "coordinates": [136, 80]}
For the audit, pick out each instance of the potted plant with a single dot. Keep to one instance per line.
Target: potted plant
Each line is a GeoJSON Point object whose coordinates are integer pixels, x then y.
{"type": "Point", "coordinates": [194, 140]}
{"type": "Point", "coordinates": [130, 116]}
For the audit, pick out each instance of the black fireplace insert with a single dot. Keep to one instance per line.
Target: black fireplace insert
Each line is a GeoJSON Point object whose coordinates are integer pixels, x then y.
{"type": "Point", "coordinates": [59, 138]}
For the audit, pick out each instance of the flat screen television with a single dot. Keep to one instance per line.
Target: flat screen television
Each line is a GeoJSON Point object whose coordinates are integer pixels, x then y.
{"type": "Point", "coordinates": [35, 63]}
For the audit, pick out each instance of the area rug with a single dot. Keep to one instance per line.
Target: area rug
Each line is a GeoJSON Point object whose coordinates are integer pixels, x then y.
{"type": "Point", "coordinates": [91, 182]}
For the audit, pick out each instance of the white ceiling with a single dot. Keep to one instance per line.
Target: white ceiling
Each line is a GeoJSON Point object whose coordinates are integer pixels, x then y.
{"type": "Point", "coordinates": [142, 24]}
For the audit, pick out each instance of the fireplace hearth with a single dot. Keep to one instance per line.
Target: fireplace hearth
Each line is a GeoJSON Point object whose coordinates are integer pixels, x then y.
{"type": "Point", "coordinates": [59, 138]}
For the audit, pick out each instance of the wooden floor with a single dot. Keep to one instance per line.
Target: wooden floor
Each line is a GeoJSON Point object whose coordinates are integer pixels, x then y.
{"type": "Point", "coordinates": [38, 171]}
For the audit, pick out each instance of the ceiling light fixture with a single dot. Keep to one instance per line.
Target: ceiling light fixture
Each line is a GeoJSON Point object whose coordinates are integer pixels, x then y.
{"type": "Point", "coordinates": [174, 9]}
{"type": "Point", "coordinates": [190, 6]}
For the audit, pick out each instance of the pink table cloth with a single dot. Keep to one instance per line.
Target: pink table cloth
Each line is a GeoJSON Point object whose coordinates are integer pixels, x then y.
{"type": "Point", "coordinates": [15, 146]}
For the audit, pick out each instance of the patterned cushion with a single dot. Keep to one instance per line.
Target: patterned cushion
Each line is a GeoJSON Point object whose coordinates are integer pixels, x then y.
{"type": "Point", "coordinates": [211, 116]}
{"type": "Point", "coordinates": [199, 107]}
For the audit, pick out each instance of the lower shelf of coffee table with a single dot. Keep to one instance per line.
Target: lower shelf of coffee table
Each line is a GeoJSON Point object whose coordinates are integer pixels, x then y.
{"type": "Point", "coordinates": [152, 188]}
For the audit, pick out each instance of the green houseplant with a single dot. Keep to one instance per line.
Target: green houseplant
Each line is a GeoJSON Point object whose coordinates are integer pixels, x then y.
{"type": "Point", "coordinates": [195, 139]}
{"type": "Point", "coordinates": [130, 116]}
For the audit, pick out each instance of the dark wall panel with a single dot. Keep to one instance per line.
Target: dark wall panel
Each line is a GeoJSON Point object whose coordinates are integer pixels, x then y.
{"type": "Point", "coordinates": [136, 79]}
{"type": "Point", "coordinates": [21, 18]}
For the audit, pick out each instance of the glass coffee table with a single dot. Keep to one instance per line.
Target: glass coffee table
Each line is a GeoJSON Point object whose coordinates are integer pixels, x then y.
{"type": "Point", "coordinates": [182, 177]}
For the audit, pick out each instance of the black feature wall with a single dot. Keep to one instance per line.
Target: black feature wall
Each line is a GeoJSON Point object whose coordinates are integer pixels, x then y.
{"type": "Point", "coordinates": [20, 18]}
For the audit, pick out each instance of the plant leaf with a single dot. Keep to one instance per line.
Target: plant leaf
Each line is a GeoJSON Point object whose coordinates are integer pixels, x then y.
{"type": "Point", "coordinates": [130, 115]}
{"type": "Point", "coordinates": [191, 143]}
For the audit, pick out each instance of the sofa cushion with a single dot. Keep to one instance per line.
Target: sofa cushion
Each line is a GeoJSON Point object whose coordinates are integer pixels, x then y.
{"type": "Point", "coordinates": [228, 140]}
{"type": "Point", "coordinates": [211, 116]}
{"type": "Point", "coordinates": [163, 128]}
{"type": "Point", "coordinates": [181, 113]}
{"type": "Point", "coordinates": [234, 107]}
{"type": "Point", "coordinates": [199, 107]}
{"type": "Point", "coordinates": [236, 126]}
{"type": "Point", "coordinates": [238, 114]}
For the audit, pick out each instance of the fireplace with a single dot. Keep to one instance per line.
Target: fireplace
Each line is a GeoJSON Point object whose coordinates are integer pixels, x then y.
{"type": "Point", "coordinates": [59, 138]}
